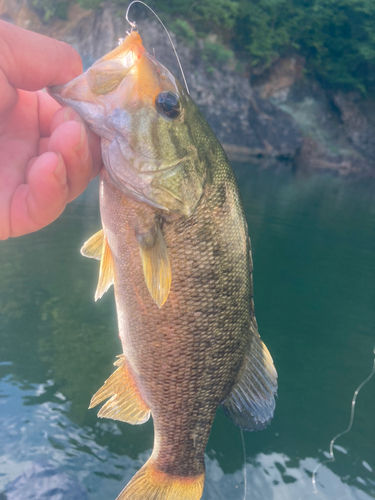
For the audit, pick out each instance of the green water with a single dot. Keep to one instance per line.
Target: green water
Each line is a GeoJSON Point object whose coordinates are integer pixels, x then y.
{"type": "Point", "coordinates": [314, 271]}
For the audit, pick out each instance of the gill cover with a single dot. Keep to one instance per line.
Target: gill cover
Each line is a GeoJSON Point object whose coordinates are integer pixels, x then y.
{"type": "Point", "coordinates": [139, 109]}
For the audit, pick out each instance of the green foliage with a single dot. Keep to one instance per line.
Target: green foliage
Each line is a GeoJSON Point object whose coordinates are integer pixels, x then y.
{"type": "Point", "coordinates": [337, 37]}
{"type": "Point", "coordinates": [266, 27]}
{"type": "Point", "coordinates": [339, 41]}
{"type": "Point", "coordinates": [216, 52]}
{"type": "Point", "coordinates": [183, 29]}
{"type": "Point", "coordinates": [49, 9]}
{"type": "Point", "coordinates": [204, 15]}
{"type": "Point", "coordinates": [90, 4]}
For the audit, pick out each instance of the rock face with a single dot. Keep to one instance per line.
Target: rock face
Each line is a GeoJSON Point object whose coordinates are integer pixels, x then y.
{"type": "Point", "coordinates": [338, 129]}
{"type": "Point", "coordinates": [358, 117]}
{"type": "Point", "coordinates": [281, 117]}
{"type": "Point", "coordinates": [313, 156]}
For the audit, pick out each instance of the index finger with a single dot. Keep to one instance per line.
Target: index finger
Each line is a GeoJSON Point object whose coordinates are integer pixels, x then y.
{"type": "Point", "coordinates": [31, 61]}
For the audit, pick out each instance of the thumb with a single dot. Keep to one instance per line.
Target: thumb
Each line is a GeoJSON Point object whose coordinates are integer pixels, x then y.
{"type": "Point", "coordinates": [31, 61]}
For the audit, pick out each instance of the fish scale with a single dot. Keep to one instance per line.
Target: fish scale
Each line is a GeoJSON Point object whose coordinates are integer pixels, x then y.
{"type": "Point", "coordinates": [176, 247]}
{"type": "Point", "coordinates": [175, 328]}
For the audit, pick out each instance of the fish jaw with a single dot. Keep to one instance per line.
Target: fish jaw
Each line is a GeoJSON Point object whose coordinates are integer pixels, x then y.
{"type": "Point", "coordinates": [92, 93]}
{"type": "Point", "coordinates": [90, 111]}
{"type": "Point", "coordinates": [148, 155]}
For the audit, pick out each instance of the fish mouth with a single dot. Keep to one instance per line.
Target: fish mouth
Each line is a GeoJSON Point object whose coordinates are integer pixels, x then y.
{"type": "Point", "coordinates": [76, 90]}
{"type": "Point", "coordinates": [96, 85]}
{"type": "Point", "coordinates": [126, 77]}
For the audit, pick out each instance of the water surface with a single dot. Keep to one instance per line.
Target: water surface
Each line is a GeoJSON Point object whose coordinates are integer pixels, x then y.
{"type": "Point", "coordinates": [314, 271]}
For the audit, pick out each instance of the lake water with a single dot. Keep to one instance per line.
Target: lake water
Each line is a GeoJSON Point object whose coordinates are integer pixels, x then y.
{"type": "Point", "coordinates": [314, 270]}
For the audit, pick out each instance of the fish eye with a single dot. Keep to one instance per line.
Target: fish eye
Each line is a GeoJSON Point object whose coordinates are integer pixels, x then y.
{"type": "Point", "coordinates": [168, 104]}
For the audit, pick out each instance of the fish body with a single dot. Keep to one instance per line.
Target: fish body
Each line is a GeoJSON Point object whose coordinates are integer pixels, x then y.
{"type": "Point", "coordinates": [175, 245]}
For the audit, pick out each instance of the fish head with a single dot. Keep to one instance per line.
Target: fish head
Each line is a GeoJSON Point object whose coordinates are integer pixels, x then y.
{"type": "Point", "coordinates": [151, 129]}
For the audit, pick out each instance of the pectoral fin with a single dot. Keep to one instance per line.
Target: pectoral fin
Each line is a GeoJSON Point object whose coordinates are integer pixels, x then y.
{"type": "Point", "coordinates": [251, 402]}
{"type": "Point", "coordinates": [155, 262]}
{"type": "Point", "coordinates": [93, 247]}
{"type": "Point", "coordinates": [97, 248]}
{"type": "Point", "coordinates": [106, 270]}
{"type": "Point", "coordinates": [126, 403]}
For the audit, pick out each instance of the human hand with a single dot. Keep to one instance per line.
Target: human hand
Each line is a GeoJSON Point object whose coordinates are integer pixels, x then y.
{"type": "Point", "coordinates": [47, 155]}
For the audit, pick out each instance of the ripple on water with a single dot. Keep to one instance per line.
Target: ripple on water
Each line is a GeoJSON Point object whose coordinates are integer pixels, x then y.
{"type": "Point", "coordinates": [39, 441]}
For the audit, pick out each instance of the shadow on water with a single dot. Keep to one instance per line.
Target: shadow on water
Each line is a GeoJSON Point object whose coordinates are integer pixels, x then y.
{"type": "Point", "coordinates": [313, 246]}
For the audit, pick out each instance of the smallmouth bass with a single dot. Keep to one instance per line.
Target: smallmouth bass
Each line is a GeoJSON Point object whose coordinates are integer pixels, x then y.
{"type": "Point", "coordinates": [175, 245]}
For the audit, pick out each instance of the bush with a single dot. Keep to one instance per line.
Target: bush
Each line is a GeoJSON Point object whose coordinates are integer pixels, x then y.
{"type": "Point", "coordinates": [204, 15]}
{"type": "Point", "coordinates": [337, 37]}
{"type": "Point", "coordinates": [339, 42]}
{"type": "Point", "coordinates": [216, 52]}
{"type": "Point", "coordinates": [49, 9]}
{"type": "Point", "coordinates": [184, 30]}
{"type": "Point", "coordinates": [91, 4]}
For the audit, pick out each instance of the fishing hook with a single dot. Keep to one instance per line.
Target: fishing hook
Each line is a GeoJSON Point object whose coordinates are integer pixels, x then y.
{"type": "Point", "coordinates": [133, 26]}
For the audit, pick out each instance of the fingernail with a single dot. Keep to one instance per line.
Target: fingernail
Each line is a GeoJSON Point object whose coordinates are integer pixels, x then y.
{"type": "Point", "coordinates": [82, 146]}
{"type": "Point", "coordinates": [60, 170]}
{"type": "Point", "coordinates": [82, 139]}
{"type": "Point", "coordinates": [69, 114]}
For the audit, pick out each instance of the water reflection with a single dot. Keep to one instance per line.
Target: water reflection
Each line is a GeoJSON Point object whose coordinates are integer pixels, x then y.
{"type": "Point", "coordinates": [42, 448]}
{"type": "Point", "coordinates": [45, 482]}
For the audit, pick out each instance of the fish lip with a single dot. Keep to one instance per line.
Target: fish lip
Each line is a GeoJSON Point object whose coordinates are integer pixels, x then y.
{"type": "Point", "coordinates": [55, 93]}
{"type": "Point", "coordinates": [59, 93]}
{"type": "Point", "coordinates": [74, 91]}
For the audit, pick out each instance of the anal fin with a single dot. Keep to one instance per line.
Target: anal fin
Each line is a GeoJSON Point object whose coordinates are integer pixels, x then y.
{"type": "Point", "coordinates": [126, 403]}
{"type": "Point", "coordinates": [151, 483]}
{"type": "Point", "coordinates": [251, 402]}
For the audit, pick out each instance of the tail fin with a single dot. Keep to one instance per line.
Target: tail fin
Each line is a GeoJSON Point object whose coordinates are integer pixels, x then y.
{"type": "Point", "coordinates": [151, 483]}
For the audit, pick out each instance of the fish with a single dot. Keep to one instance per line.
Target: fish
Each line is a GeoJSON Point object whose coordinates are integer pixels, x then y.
{"type": "Point", "coordinates": [174, 243]}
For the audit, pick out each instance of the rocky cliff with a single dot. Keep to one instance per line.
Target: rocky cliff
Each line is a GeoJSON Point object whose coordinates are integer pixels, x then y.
{"type": "Point", "coordinates": [280, 118]}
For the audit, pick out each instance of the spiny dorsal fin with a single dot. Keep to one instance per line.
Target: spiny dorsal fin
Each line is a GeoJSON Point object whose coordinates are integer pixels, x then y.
{"type": "Point", "coordinates": [93, 247]}
{"type": "Point", "coordinates": [126, 403]}
{"type": "Point", "coordinates": [105, 272]}
{"type": "Point", "coordinates": [155, 262]}
{"type": "Point", "coordinates": [152, 483]}
{"type": "Point", "coordinates": [251, 402]}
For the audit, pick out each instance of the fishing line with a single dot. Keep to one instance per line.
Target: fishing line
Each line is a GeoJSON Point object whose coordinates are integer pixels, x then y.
{"type": "Point", "coordinates": [244, 465]}
{"type": "Point", "coordinates": [331, 454]}
{"type": "Point", "coordinates": [134, 27]}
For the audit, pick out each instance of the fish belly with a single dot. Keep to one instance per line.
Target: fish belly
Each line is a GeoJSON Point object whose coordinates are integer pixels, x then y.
{"type": "Point", "coordinates": [185, 356]}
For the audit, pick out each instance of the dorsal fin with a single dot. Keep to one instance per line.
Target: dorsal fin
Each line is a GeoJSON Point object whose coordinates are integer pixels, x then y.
{"type": "Point", "coordinates": [126, 403]}
{"type": "Point", "coordinates": [106, 270]}
{"type": "Point", "coordinates": [251, 402]}
{"type": "Point", "coordinates": [155, 262]}
{"type": "Point", "coordinates": [93, 246]}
